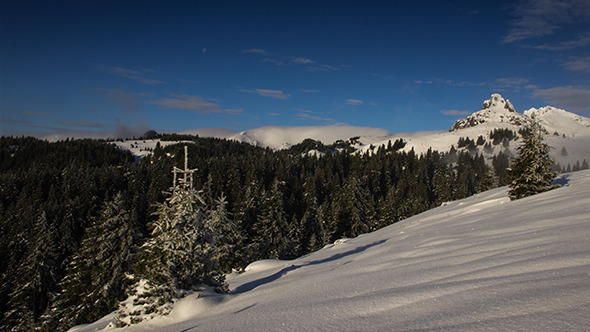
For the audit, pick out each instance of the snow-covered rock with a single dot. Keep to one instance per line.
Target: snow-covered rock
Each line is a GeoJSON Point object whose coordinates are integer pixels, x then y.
{"type": "Point", "coordinates": [494, 110]}
{"type": "Point", "coordinates": [568, 133]}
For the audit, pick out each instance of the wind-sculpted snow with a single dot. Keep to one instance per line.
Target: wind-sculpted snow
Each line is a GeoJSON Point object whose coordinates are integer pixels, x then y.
{"type": "Point", "coordinates": [481, 263]}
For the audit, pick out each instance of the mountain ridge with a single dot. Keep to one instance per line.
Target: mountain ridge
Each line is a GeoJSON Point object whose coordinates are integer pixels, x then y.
{"type": "Point", "coordinates": [567, 133]}
{"type": "Point", "coordinates": [496, 109]}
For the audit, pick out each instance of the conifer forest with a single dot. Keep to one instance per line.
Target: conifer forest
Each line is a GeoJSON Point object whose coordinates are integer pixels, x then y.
{"type": "Point", "coordinates": [82, 220]}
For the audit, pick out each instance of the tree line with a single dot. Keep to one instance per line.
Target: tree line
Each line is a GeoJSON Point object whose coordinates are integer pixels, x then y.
{"type": "Point", "coordinates": [76, 213]}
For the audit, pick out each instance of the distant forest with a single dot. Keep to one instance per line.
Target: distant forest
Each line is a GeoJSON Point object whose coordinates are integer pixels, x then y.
{"type": "Point", "coordinates": [286, 204]}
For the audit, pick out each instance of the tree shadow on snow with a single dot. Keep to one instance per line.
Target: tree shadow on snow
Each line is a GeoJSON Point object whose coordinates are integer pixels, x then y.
{"type": "Point", "coordinates": [562, 180]}
{"type": "Point", "coordinates": [275, 276]}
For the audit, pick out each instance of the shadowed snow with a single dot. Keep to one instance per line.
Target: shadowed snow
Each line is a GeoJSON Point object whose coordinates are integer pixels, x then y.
{"type": "Point", "coordinates": [483, 263]}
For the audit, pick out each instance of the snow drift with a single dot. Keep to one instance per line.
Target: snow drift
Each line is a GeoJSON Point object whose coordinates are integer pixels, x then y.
{"type": "Point", "coordinates": [483, 262]}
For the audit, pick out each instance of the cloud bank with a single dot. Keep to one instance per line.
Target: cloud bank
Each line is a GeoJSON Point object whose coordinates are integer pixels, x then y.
{"type": "Point", "coordinates": [541, 18]}
{"type": "Point", "coordinates": [277, 94]}
{"type": "Point", "coordinates": [141, 75]}
{"type": "Point", "coordinates": [193, 103]}
{"type": "Point", "coordinates": [568, 97]}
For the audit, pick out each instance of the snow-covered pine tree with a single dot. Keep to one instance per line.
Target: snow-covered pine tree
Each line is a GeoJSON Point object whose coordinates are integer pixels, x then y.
{"type": "Point", "coordinates": [95, 279]}
{"type": "Point", "coordinates": [179, 254]}
{"type": "Point", "coordinates": [311, 226]}
{"type": "Point", "coordinates": [532, 171]}
{"type": "Point", "coordinates": [352, 209]}
{"type": "Point", "coordinates": [229, 240]}
{"type": "Point", "coordinates": [271, 226]}
{"type": "Point", "coordinates": [488, 180]}
{"type": "Point", "coordinates": [34, 280]}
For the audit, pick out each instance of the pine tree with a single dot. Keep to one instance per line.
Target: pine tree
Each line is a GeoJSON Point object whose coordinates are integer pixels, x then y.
{"type": "Point", "coordinates": [488, 180]}
{"type": "Point", "coordinates": [310, 226]}
{"type": "Point", "coordinates": [229, 239]}
{"type": "Point", "coordinates": [179, 254]}
{"type": "Point", "coordinates": [35, 280]}
{"type": "Point", "coordinates": [271, 227]}
{"type": "Point", "coordinates": [532, 171]}
{"type": "Point", "coordinates": [95, 279]}
{"type": "Point", "coordinates": [352, 210]}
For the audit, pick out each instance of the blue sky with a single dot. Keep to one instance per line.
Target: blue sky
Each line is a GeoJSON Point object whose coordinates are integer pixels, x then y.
{"type": "Point", "coordinates": [122, 67]}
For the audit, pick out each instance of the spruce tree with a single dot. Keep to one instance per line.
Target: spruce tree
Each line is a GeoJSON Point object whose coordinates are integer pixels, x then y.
{"type": "Point", "coordinates": [179, 254]}
{"type": "Point", "coordinates": [229, 240]}
{"type": "Point", "coordinates": [532, 171]}
{"type": "Point", "coordinates": [271, 227]}
{"type": "Point", "coordinates": [95, 279]}
{"type": "Point", "coordinates": [311, 226]}
{"type": "Point", "coordinates": [352, 209]}
{"type": "Point", "coordinates": [34, 280]}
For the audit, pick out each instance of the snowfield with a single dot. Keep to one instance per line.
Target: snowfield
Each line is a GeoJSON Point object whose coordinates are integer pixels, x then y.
{"type": "Point", "coordinates": [484, 263]}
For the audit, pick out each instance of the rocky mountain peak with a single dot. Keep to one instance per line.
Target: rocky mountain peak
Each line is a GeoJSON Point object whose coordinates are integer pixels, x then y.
{"type": "Point", "coordinates": [495, 109]}
{"type": "Point", "coordinates": [496, 101]}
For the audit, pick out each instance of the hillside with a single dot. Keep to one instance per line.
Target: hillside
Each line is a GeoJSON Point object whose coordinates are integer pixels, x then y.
{"type": "Point", "coordinates": [483, 262]}
{"type": "Point", "coordinates": [567, 133]}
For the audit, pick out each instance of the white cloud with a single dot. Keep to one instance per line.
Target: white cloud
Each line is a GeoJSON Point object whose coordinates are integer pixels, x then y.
{"type": "Point", "coordinates": [382, 76]}
{"type": "Point", "coordinates": [141, 75]}
{"type": "Point", "coordinates": [255, 51]}
{"type": "Point", "coordinates": [353, 102]}
{"type": "Point", "coordinates": [320, 67]}
{"type": "Point", "coordinates": [301, 61]}
{"type": "Point", "coordinates": [290, 61]}
{"type": "Point", "coordinates": [86, 124]}
{"type": "Point", "coordinates": [275, 61]}
{"type": "Point", "coordinates": [540, 18]}
{"type": "Point", "coordinates": [456, 113]}
{"type": "Point", "coordinates": [277, 94]}
{"type": "Point", "coordinates": [581, 64]}
{"type": "Point", "coordinates": [581, 41]}
{"type": "Point", "coordinates": [312, 116]}
{"type": "Point", "coordinates": [510, 82]}
{"type": "Point", "coordinates": [281, 60]}
{"type": "Point", "coordinates": [25, 112]}
{"type": "Point", "coordinates": [307, 116]}
{"type": "Point", "coordinates": [567, 97]}
{"type": "Point", "coordinates": [193, 103]}
{"type": "Point", "coordinates": [449, 82]}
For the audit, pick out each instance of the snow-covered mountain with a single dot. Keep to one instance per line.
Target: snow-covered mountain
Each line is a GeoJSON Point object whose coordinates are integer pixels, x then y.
{"type": "Point", "coordinates": [567, 133]}
{"type": "Point", "coordinates": [496, 110]}
{"type": "Point", "coordinates": [481, 263]}
{"type": "Point", "coordinates": [283, 137]}
{"type": "Point", "coordinates": [561, 121]}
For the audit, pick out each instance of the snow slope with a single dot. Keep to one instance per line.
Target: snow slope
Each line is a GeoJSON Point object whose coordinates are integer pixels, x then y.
{"type": "Point", "coordinates": [568, 133]}
{"type": "Point", "coordinates": [564, 130]}
{"type": "Point", "coordinates": [484, 263]}
{"type": "Point", "coordinates": [280, 137]}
